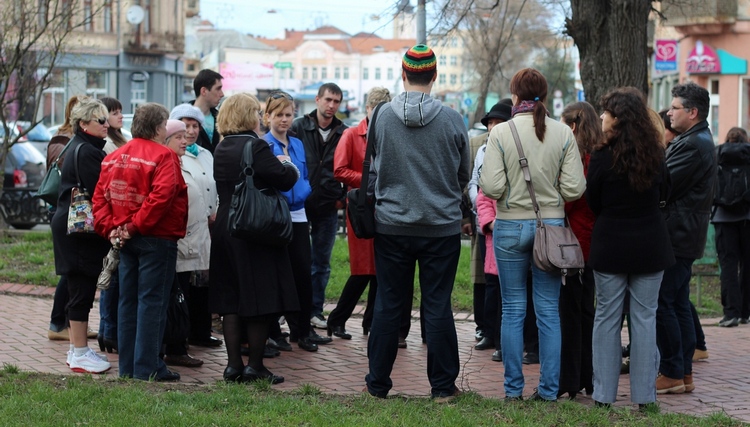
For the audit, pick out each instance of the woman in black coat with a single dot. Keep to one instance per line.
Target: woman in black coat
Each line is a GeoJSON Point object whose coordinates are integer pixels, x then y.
{"type": "Point", "coordinates": [79, 255]}
{"type": "Point", "coordinates": [252, 282]}
{"type": "Point", "coordinates": [630, 246]}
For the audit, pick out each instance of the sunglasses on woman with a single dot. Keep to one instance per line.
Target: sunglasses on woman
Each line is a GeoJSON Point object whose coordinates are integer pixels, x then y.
{"type": "Point", "coordinates": [279, 95]}
{"type": "Point", "coordinates": [101, 120]}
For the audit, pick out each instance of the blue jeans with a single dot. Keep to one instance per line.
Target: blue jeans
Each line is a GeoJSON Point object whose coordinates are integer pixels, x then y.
{"type": "Point", "coordinates": [147, 269]}
{"type": "Point", "coordinates": [611, 290]}
{"type": "Point", "coordinates": [108, 302]}
{"type": "Point", "coordinates": [675, 331]}
{"type": "Point", "coordinates": [513, 241]}
{"type": "Point", "coordinates": [396, 258]}
{"type": "Point", "coordinates": [323, 235]}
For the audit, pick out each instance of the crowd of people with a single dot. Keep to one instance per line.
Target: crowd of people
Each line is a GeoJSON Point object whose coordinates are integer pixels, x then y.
{"type": "Point", "coordinates": [636, 188]}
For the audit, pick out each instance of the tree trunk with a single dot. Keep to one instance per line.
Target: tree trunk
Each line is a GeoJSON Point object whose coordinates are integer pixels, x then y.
{"type": "Point", "coordinates": [612, 41]}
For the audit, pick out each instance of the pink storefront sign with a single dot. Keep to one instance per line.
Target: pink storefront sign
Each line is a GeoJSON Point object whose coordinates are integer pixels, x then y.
{"type": "Point", "coordinates": [703, 60]}
{"type": "Point", "coordinates": [246, 77]}
{"type": "Point", "coordinates": [665, 55]}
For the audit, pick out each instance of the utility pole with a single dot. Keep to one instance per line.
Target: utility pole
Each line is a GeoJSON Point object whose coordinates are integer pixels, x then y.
{"type": "Point", "coordinates": [421, 22]}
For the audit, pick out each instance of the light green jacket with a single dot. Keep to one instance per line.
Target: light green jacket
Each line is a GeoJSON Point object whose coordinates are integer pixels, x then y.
{"type": "Point", "coordinates": [555, 166]}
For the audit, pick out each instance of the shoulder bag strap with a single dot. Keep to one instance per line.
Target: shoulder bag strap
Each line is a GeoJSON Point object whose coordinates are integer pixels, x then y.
{"type": "Point", "coordinates": [525, 168]}
{"type": "Point", "coordinates": [63, 151]}
{"type": "Point", "coordinates": [247, 162]}
{"type": "Point", "coordinates": [75, 167]}
{"type": "Point", "coordinates": [368, 155]}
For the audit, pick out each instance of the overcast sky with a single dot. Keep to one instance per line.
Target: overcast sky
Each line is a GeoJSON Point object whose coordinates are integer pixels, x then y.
{"type": "Point", "coordinates": [269, 18]}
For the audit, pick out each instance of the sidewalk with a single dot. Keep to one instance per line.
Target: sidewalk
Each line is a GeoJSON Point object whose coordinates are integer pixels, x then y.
{"type": "Point", "coordinates": [722, 382]}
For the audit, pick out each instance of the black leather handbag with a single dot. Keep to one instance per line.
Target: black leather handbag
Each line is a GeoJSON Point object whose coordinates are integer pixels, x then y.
{"type": "Point", "coordinates": [258, 216]}
{"type": "Point", "coordinates": [359, 208]}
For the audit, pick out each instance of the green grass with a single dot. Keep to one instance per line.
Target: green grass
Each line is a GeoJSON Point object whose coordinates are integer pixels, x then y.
{"type": "Point", "coordinates": [27, 258]}
{"type": "Point", "coordinates": [53, 400]}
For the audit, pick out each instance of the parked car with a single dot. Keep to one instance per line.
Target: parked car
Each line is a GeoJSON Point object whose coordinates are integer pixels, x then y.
{"type": "Point", "coordinates": [38, 136]}
{"type": "Point", "coordinates": [24, 170]}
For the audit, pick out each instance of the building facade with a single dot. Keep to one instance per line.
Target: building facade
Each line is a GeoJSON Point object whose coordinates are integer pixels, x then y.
{"type": "Point", "coordinates": [708, 42]}
{"type": "Point", "coordinates": [128, 50]}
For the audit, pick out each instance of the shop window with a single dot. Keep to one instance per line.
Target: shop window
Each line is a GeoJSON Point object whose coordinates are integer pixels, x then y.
{"type": "Point", "coordinates": [377, 73]}
{"type": "Point", "coordinates": [323, 73]}
{"type": "Point", "coordinates": [304, 73]}
{"type": "Point", "coordinates": [137, 94]}
{"type": "Point", "coordinates": [390, 74]}
{"type": "Point", "coordinates": [337, 73]}
{"type": "Point", "coordinates": [53, 98]}
{"type": "Point", "coordinates": [96, 83]}
{"type": "Point", "coordinates": [365, 74]}
{"type": "Point", "coordinates": [346, 73]}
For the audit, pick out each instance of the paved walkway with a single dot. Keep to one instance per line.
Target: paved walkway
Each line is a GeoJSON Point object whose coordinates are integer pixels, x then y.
{"type": "Point", "coordinates": [722, 382]}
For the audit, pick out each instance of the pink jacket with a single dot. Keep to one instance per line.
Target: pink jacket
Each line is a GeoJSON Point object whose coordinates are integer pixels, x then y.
{"type": "Point", "coordinates": [486, 210]}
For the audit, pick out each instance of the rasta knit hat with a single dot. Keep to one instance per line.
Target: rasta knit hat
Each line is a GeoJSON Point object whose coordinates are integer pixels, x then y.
{"type": "Point", "coordinates": [419, 59]}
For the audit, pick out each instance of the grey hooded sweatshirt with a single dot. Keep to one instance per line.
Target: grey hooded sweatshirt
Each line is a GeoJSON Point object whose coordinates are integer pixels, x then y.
{"type": "Point", "coordinates": [420, 167]}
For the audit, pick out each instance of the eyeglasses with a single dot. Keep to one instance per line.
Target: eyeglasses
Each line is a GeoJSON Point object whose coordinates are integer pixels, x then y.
{"type": "Point", "coordinates": [101, 120]}
{"type": "Point", "coordinates": [279, 95]}
{"type": "Point", "coordinates": [680, 108]}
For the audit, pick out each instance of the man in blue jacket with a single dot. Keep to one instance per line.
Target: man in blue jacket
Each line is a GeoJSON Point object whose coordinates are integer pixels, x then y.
{"type": "Point", "coordinates": [691, 160]}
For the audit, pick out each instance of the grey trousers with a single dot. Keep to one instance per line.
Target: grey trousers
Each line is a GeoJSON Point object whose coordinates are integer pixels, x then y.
{"type": "Point", "coordinates": [607, 343]}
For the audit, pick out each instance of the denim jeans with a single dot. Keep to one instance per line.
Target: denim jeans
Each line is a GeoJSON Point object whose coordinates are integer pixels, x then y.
{"type": "Point", "coordinates": [513, 241]}
{"type": "Point", "coordinates": [323, 235]}
{"type": "Point", "coordinates": [675, 331]}
{"type": "Point", "coordinates": [611, 290]}
{"type": "Point", "coordinates": [147, 269]}
{"type": "Point", "coordinates": [396, 258]}
{"type": "Point", "coordinates": [108, 302]}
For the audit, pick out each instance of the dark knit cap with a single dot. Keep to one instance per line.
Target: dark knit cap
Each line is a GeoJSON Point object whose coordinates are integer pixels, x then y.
{"type": "Point", "coordinates": [419, 59]}
{"type": "Point", "coordinates": [502, 110]}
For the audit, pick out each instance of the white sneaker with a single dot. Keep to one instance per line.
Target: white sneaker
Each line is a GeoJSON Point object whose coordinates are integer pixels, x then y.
{"type": "Point", "coordinates": [319, 322]}
{"type": "Point", "coordinates": [99, 355]}
{"type": "Point", "coordinates": [90, 363]}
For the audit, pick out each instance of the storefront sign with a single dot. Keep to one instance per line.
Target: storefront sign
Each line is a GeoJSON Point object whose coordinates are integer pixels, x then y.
{"type": "Point", "coordinates": [703, 60]}
{"type": "Point", "coordinates": [144, 60]}
{"type": "Point", "coordinates": [665, 55]}
{"type": "Point", "coordinates": [139, 76]}
{"type": "Point", "coordinates": [246, 77]}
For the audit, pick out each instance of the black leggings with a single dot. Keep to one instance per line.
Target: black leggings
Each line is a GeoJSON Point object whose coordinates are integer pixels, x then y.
{"type": "Point", "coordinates": [300, 258]}
{"type": "Point", "coordinates": [82, 291]}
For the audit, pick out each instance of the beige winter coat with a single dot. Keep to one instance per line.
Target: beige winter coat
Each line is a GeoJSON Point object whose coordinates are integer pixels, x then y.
{"type": "Point", "coordinates": [555, 166]}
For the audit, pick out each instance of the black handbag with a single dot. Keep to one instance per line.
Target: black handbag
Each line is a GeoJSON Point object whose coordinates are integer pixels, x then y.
{"type": "Point", "coordinates": [178, 318]}
{"type": "Point", "coordinates": [258, 216]}
{"type": "Point", "coordinates": [359, 208]}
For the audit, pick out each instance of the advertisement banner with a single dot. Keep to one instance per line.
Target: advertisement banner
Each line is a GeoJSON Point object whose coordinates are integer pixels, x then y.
{"type": "Point", "coordinates": [246, 77]}
{"type": "Point", "coordinates": [665, 53]}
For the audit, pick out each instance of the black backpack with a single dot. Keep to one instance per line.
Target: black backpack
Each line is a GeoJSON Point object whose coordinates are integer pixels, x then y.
{"type": "Point", "coordinates": [732, 191]}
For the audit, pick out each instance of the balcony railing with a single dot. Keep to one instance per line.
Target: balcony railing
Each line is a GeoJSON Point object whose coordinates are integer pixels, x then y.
{"type": "Point", "coordinates": [695, 12]}
{"type": "Point", "coordinates": [154, 43]}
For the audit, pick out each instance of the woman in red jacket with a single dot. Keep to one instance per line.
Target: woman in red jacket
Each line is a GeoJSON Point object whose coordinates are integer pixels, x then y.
{"type": "Point", "coordinates": [577, 297]}
{"type": "Point", "coordinates": [141, 198]}
{"type": "Point", "coordinates": [347, 169]}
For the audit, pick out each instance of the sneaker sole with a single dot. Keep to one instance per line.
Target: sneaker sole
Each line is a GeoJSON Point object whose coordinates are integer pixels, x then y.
{"type": "Point", "coordinates": [689, 388]}
{"type": "Point", "coordinates": [674, 390]}
{"type": "Point", "coordinates": [84, 371]}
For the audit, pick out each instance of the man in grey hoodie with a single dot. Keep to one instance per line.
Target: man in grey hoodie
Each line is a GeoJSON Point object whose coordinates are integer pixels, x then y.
{"type": "Point", "coordinates": [420, 168]}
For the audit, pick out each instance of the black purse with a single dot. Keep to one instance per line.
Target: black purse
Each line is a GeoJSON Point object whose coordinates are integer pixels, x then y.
{"type": "Point", "coordinates": [178, 318]}
{"type": "Point", "coordinates": [258, 216]}
{"type": "Point", "coordinates": [359, 208]}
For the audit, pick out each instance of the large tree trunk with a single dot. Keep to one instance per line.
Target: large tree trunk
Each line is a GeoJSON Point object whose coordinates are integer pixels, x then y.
{"type": "Point", "coordinates": [612, 41]}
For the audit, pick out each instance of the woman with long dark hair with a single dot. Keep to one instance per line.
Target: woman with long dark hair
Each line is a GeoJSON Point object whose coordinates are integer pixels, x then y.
{"type": "Point", "coordinates": [557, 174]}
{"type": "Point", "coordinates": [630, 245]}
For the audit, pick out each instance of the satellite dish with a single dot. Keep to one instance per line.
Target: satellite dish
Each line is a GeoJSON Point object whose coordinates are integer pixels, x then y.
{"type": "Point", "coordinates": [135, 14]}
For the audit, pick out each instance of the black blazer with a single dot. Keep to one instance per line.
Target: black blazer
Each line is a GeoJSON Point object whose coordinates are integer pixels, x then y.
{"type": "Point", "coordinates": [630, 234]}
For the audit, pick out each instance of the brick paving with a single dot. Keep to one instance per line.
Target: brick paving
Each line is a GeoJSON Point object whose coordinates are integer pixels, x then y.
{"type": "Point", "coordinates": [722, 382]}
